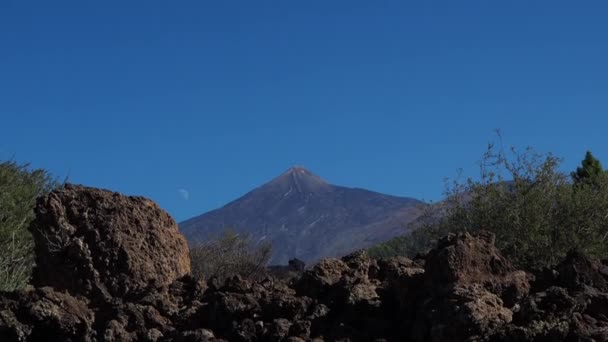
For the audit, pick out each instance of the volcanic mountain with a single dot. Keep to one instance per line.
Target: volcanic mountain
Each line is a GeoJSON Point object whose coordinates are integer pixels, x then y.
{"type": "Point", "coordinates": [307, 218]}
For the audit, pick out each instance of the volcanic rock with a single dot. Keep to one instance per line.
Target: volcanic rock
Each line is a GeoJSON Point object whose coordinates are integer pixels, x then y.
{"type": "Point", "coordinates": [44, 314]}
{"type": "Point", "coordinates": [90, 240]}
{"type": "Point", "coordinates": [462, 259]}
{"type": "Point", "coordinates": [463, 290]}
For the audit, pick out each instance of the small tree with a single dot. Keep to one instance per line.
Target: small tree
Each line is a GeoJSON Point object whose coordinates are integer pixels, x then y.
{"type": "Point", "coordinates": [589, 172]}
{"type": "Point", "coordinates": [19, 188]}
{"type": "Point", "coordinates": [230, 254]}
{"type": "Point", "coordinates": [587, 212]}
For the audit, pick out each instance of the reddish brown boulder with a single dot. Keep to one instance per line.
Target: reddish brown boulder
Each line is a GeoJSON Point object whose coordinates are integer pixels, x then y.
{"type": "Point", "coordinates": [319, 281]}
{"type": "Point", "coordinates": [459, 296]}
{"type": "Point", "coordinates": [463, 259]}
{"type": "Point", "coordinates": [90, 240]}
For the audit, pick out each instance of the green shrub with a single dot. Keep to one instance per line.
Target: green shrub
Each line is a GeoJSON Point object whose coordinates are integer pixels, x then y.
{"type": "Point", "coordinates": [230, 254]}
{"type": "Point", "coordinates": [536, 211]}
{"type": "Point", "coordinates": [19, 188]}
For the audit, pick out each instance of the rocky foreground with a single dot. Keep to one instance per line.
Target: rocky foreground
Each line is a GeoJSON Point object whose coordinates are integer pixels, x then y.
{"type": "Point", "coordinates": [115, 268]}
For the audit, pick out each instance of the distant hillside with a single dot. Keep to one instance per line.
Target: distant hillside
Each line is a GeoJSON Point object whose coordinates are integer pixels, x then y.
{"type": "Point", "coordinates": [305, 217]}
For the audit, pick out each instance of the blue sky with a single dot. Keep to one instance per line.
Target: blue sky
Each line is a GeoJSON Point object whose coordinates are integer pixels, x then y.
{"type": "Point", "coordinates": [217, 97]}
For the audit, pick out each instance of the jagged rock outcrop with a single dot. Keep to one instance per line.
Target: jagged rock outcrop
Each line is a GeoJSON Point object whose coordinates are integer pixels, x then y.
{"type": "Point", "coordinates": [470, 289]}
{"type": "Point", "coordinates": [90, 240]}
{"type": "Point", "coordinates": [463, 290]}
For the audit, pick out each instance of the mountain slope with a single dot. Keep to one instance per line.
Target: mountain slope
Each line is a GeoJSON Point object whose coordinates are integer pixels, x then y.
{"type": "Point", "coordinates": [305, 217]}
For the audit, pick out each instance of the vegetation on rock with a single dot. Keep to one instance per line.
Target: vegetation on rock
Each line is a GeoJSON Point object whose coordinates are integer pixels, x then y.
{"type": "Point", "coordinates": [19, 188]}
{"type": "Point", "coordinates": [536, 211]}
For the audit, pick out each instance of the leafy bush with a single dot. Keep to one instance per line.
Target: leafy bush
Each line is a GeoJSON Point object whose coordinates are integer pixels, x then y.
{"type": "Point", "coordinates": [19, 188]}
{"type": "Point", "coordinates": [230, 254]}
{"type": "Point", "coordinates": [537, 213]}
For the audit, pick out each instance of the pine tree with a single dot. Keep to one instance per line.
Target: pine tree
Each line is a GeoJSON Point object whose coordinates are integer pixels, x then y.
{"type": "Point", "coordinates": [590, 170]}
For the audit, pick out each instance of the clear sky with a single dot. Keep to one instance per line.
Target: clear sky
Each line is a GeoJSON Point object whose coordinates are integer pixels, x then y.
{"type": "Point", "coordinates": [193, 103]}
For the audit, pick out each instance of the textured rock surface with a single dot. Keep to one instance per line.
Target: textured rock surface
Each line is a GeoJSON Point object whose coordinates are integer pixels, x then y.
{"type": "Point", "coordinates": [463, 290]}
{"type": "Point", "coordinates": [96, 240]}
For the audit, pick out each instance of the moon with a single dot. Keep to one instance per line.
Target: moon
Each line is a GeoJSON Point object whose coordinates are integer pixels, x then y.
{"type": "Point", "coordinates": [184, 193]}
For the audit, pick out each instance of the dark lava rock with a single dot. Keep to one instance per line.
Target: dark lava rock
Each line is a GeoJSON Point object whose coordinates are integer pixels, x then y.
{"type": "Point", "coordinates": [44, 314]}
{"type": "Point", "coordinates": [463, 260]}
{"type": "Point", "coordinates": [114, 268]}
{"type": "Point", "coordinates": [91, 240]}
{"type": "Point", "coordinates": [578, 271]}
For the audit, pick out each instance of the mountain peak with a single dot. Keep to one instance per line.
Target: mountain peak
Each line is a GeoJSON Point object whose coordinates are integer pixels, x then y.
{"type": "Point", "coordinates": [297, 169]}
{"type": "Point", "coordinates": [300, 179]}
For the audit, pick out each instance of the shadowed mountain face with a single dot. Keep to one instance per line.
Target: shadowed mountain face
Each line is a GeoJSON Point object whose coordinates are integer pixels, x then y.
{"type": "Point", "coordinates": [307, 218]}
